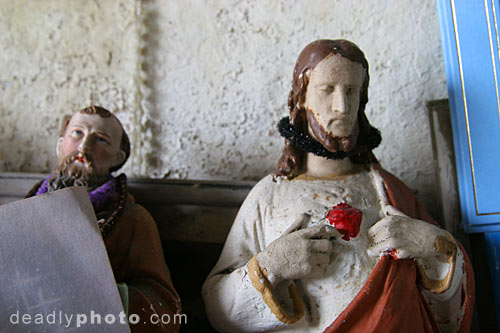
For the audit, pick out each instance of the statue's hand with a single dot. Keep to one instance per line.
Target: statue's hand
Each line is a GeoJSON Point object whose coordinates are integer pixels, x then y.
{"type": "Point", "coordinates": [405, 237]}
{"type": "Point", "coordinates": [299, 254]}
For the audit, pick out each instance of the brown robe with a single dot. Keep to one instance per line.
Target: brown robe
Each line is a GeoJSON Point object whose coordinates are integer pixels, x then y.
{"type": "Point", "coordinates": [390, 300]}
{"type": "Point", "coordinates": [136, 256]}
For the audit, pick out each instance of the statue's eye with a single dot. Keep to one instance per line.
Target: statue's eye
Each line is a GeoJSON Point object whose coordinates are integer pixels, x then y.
{"type": "Point", "coordinates": [352, 91]}
{"type": "Point", "coordinates": [327, 88]}
{"type": "Point", "coordinates": [102, 140]}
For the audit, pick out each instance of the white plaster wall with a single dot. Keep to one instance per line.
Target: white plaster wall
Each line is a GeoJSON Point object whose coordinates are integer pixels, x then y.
{"type": "Point", "coordinates": [202, 84]}
{"type": "Point", "coordinates": [58, 57]}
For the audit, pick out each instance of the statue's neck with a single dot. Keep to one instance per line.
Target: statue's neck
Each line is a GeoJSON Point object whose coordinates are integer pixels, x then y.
{"type": "Point", "coordinates": [320, 167]}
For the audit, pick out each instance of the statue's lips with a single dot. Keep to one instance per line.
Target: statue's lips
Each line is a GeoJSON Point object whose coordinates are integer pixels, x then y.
{"type": "Point", "coordinates": [330, 142]}
{"type": "Point", "coordinates": [82, 159]}
{"type": "Point", "coordinates": [337, 120]}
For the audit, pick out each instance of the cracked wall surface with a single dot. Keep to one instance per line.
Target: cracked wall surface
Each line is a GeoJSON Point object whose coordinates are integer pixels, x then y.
{"type": "Point", "coordinates": [201, 85]}
{"type": "Point", "coordinates": [58, 57]}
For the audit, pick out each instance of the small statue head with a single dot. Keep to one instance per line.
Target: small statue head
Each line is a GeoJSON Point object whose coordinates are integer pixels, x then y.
{"type": "Point", "coordinates": [327, 100]}
{"type": "Point", "coordinates": [92, 144]}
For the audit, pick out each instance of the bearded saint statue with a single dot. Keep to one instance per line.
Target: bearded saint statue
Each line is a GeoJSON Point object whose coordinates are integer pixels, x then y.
{"type": "Point", "coordinates": [331, 241]}
{"type": "Point", "coordinates": [92, 144]}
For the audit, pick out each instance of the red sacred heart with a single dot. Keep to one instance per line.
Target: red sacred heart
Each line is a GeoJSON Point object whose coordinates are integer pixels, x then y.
{"type": "Point", "coordinates": [346, 219]}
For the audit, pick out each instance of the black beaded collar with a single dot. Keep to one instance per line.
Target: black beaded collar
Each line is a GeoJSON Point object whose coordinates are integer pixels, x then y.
{"type": "Point", "coordinates": [305, 142]}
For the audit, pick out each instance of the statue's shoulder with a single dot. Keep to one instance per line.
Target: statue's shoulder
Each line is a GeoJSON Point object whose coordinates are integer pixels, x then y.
{"type": "Point", "coordinates": [391, 182]}
{"type": "Point", "coordinates": [269, 182]}
{"type": "Point", "coordinates": [34, 189]}
{"type": "Point", "coordinates": [264, 188]}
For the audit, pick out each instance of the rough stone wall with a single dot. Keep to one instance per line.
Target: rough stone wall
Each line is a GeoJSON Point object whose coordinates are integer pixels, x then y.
{"type": "Point", "coordinates": [58, 57]}
{"type": "Point", "coordinates": [200, 85]}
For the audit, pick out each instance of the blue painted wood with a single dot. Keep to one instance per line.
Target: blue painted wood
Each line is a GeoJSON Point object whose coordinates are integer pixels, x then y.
{"type": "Point", "coordinates": [492, 241]}
{"type": "Point", "coordinates": [470, 40]}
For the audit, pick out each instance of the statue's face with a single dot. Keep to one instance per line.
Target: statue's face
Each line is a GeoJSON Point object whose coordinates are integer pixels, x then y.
{"type": "Point", "coordinates": [333, 96]}
{"type": "Point", "coordinates": [92, 140]}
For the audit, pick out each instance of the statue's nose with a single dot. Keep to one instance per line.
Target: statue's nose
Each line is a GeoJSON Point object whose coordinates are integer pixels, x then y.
{"type": "Point", "coordinates": [86, 144]}
{"type": "Point", "coordinates": [339, 101]}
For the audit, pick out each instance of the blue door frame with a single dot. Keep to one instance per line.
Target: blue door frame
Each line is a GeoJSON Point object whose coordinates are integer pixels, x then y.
{"type": "Point", "coordinates": [471, 52]}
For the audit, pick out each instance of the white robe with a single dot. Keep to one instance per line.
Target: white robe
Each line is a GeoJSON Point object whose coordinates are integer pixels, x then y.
{"type": "Point", "coordinates": [233, 304]}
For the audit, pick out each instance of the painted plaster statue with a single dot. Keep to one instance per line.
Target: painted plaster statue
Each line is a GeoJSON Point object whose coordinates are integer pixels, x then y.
{"type": "Point", "coordinates": [332, 241]}
{"type": "Point", "coordinates": [92, 144]}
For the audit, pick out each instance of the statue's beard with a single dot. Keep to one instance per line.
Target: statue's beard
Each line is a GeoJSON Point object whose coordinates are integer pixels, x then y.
{"type": "Point", "coordinates": [305, 142]}
{"type": "Point", "coordinates": [330, 142]}
{"type": "Point", "coordinates": [70, 173]}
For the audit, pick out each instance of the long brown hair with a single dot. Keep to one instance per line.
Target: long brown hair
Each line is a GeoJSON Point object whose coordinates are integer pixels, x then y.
{"type": "Point", "coordinates": [291, 162]}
